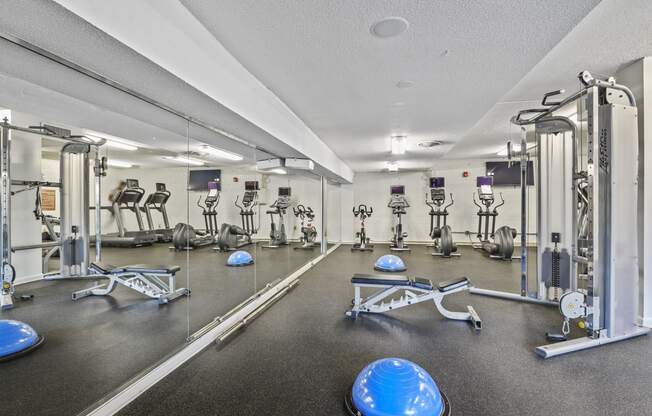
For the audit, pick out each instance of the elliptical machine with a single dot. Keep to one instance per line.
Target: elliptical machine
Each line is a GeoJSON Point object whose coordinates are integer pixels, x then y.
{"type": "Point", "coordinates": [186, 237]}
{"type": "Point", "coordinates": [363, 244]}
{"type": "Point", "coordinates": [440, 232]}
{"type": "Point", "coordinates": [398, 203]}
{"type": "Point", "coordinates": [277, 236]}
{"type": "Point", "coordinates": [502, 246]}
{"type": "Point", "coordinates": [231, 236]}
{"type": "Point", "coordinates": [308, 231]}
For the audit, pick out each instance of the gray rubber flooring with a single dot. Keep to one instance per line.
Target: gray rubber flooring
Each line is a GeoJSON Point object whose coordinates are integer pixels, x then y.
{"type": "Point", "coordinates": [96, 344]}
{"type": "Point", "coordinates": [302, 354]}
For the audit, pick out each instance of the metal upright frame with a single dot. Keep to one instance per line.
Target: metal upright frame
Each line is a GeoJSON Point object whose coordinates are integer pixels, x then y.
{"type": "Point", "coordinates": [608, 253]}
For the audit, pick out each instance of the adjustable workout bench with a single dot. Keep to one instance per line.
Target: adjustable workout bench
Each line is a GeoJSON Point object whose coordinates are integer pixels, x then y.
{"type": "Point", "coordinates": [142, 278]}
{"type": "Point", "coordinates": [416, 290]}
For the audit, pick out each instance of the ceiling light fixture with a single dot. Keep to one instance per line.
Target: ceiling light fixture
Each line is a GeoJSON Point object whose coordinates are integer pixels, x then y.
{"type": "Point", "coordinates": [278, 171]}
{"type": "Point", "coordinates": [389, 27]}
{"type": "Point", "coordinates": [399, 145]}
{"type": "Point", "coordinates": [110, 142]}
{"type": "Point", "coordinates": [214, 151]}
{"type": "Point", "coordinates": [119, 163]}
{"type": "Point", "coordinates": [392, 166]}
{"type": "Point", "coordinates": [184, 160]}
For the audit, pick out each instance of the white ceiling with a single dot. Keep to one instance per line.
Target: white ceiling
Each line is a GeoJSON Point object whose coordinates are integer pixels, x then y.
{"type": "Point", "coordinates": [612, 36]}
{"type": "Point", "coordinates": [321, 60]}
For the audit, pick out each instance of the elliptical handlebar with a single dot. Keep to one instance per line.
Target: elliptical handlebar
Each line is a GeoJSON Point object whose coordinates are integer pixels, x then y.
{"type": "Point", "coordinates": [199, 203]}
{"type": "Point", "coordinates": [237, 197]}
{"type": "Point", "coordinates": [476, 202]}
{"type": "Point", "coordinates": [502, 202]}
{"type": "Point", "coordinates": [451, 203]}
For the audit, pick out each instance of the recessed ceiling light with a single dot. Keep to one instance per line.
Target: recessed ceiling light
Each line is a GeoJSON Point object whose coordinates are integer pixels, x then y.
{"type": "Point", "coordinates": [405, 84]}
{"type": "Point", "coordinates": [185, 160]}
{"type": "Point", "coordinates": [389, 27]}
{"type": "Point", "coordinates": [392, 166]}
{"type": "Point", "coordinates": [399, 145]}
{"type": "Point", "coordinates": [119, 163]}
{"type": "Point", "coordinates": [429, 143]}
{"type": "Point", "coordinates": [221, 153]}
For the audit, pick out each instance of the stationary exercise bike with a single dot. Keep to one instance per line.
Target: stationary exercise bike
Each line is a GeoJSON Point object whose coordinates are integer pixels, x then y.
{"type": "Point", "coordinates": [363, 241]}
{"type": "Point", "coordinates": [277, 236]}
{"type": "Point", "coordinates": [398, 203]}
{"type": "Point", "coordinates": [502, 246]}
{"type": "Point", "coordinates": [233, 237]}
{"type": "Point", "coordinates": [440, 232]}
{"type": "Point", "coordinates": [308, 230]}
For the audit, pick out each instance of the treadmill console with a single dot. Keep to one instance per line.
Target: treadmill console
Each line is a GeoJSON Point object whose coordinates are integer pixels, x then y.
{"type": "Point", "coordinates": [485, 187]}
{"type": "Point", "coordinates": [437, 190]}
{"type": "Point", "coordinates": [160, 187]}
{"type": "Point", "coordinates": [132, 183]}
{"type": "Point", "coordinates": [251, 186]}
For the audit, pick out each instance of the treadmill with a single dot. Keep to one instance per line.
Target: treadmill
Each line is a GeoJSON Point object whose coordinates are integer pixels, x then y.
{"type": "Point", "coordinates": [156, 202]}
{"type": "Point", "coordinates": [129, 199]}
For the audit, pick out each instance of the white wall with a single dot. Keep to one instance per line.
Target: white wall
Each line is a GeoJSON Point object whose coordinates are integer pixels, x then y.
{"type": "Point", "coordinates": [638, 77]}
{"type": "Point", "coordinates": [373, 189]}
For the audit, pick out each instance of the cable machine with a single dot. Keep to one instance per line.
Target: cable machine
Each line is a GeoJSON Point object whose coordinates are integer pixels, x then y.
{"type": "Point", "coordinates": [74, 186]}
{"type": "Point", "coordinates": [587, 222]}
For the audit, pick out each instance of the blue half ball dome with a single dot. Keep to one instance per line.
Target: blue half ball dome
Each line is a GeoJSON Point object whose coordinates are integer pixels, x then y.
{"type": "Point", "coordinates": [17, 338]}
{"type": "Point", "coordinates": [397, 387]}
{"type": "Point", "coordinates": [390, 263]}
{"type": "Point", "coordinates": [240, 258]}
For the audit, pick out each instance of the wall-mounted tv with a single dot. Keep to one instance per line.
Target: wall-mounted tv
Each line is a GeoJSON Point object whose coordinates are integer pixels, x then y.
{"type": "Point", "coordinates": [199, 179]}
{"type": "Point", "coordinates": [505, 175]}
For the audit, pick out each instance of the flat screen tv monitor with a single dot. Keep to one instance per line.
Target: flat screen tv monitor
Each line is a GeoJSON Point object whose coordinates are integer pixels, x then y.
{"type": "Point", "coordinates": [284, 191]}
{"type": "Point", "coordinates": [437, 182]}
{"type": "Point", "coordinates": [160, 187]}
{"type": "Point", "coordinates": [397, 190]}
{"type": "Point", "coordinates": [504, 174]}
{"type": "Point", "coordinates": [251, 186]}
{"type": "Point", "coordinates": [132, 183]}
{"type": "Point", "coordinates": [199, 179]}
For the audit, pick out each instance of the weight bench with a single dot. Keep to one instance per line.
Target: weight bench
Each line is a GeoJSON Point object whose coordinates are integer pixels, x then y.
{"type": "Point", "coordinates": [143, 278]}
{"type": "Point", "coordinates": [416, 290]}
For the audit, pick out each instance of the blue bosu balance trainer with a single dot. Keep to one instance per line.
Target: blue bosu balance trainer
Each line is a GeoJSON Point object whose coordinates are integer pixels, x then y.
{"type": "Point", "coordinates": [17, 339]}
{"type": "Point", "coordinates": [239, 259]}
{"type": "Point", "coordinates": [395, 387]}
{"type": "Point", "coordinates": [390, 263]}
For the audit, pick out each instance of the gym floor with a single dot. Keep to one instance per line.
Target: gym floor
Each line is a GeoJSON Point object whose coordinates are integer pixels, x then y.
{"type": "Point", "coordinates": [96, 344]}
{"type": "Point", "coordinates": [303, 354]}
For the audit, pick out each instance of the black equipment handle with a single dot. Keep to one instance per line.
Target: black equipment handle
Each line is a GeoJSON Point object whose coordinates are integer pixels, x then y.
{"type": "Point", "coordinates": [451, 203]}
{"type": "Point", "coordinates": [475, 202]}
{"type": "Point", "coordinates": [502, 202]}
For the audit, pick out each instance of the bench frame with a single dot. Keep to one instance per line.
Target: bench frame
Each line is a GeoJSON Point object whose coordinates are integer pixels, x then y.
{"type": "Point", "coordinates": [413, 293]}
{"type": "Point", "coordinates": [155, 284]}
